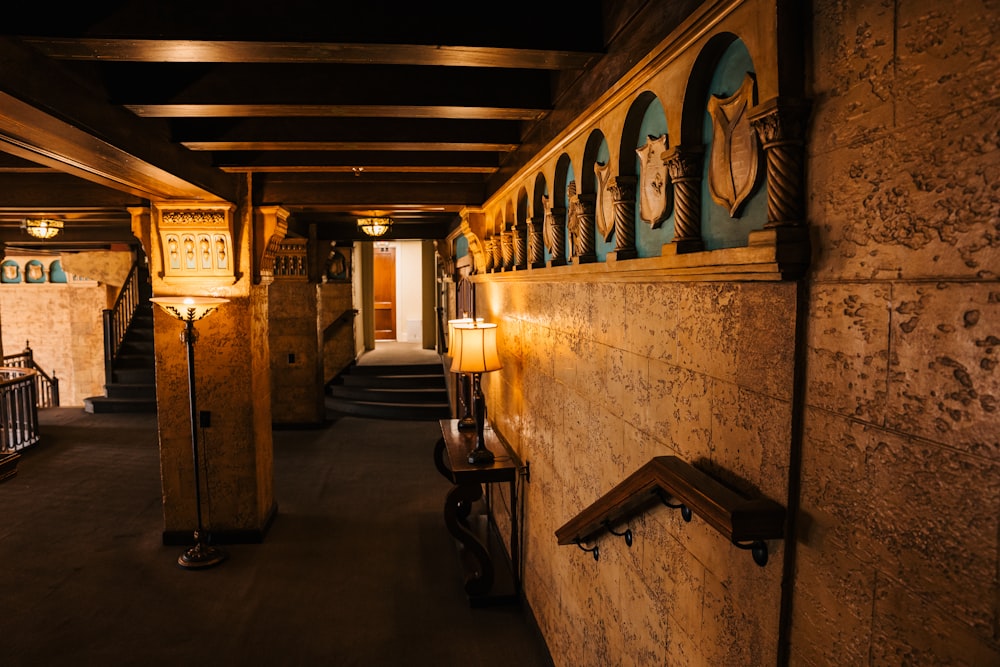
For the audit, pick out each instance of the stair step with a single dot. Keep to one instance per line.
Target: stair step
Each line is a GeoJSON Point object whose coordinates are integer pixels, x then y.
{"type": "Point", "coordinates": [134, 375]}
{"type": "Point", "coordinates": [104, 405]}
{"type": "Point", "coordinates": [395, 369]}
{"type": "Point", "coordinates": [394, 381]}
{"type": "Point", "coordinates": [127, 391]}
{"type": "Point", "coordinates": [425, 397]}
{"type": "Point", "coordinates": [395, 411]}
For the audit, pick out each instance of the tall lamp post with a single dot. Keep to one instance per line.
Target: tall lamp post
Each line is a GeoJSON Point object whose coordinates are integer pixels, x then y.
{"type": "Point", "coordinates": [190, 309]}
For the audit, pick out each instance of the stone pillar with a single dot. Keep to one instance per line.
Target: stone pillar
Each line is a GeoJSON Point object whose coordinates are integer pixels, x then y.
{"type": "Point", "coordinates": [622, 190]}
{"type": "Point", "coordinates": [297, 352]}
{"type": "Point", "coordinates": [203, 249]}
{"type": "Point", "coordinates": [584, 238]}
{"type": "Point", "coordinates": [536, 244]}
{"type": "Point", "coordinates": [780, 125]}
{"type": "Point", "coordinates": [684, 164]}
{"type": "Point", "coordinates": [555, 235]}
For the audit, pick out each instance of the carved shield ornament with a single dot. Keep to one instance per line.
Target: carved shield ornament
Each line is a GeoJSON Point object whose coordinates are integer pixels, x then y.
{"type": "Point", "coordinates": [655, 194]}
{"type": "Point", "coordinates": [605, 208]}
{"type": "Point", "coordinates": [732, 170]}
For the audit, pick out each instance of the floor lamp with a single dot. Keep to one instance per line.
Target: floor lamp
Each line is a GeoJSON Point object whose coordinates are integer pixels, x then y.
{"type": "Point", "coordinates": [190, 309]}
{"type": "Point", "coordinates": [475, 352]}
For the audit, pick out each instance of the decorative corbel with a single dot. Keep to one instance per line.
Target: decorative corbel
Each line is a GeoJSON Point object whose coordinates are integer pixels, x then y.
{"type": "Point", "coordinates": [270, 224]}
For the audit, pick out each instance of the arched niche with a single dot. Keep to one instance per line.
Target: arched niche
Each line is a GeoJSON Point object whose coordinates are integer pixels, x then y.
{"type": "Point", "coordinates": [646, 121]}
{"type": "Point", "coordinates": [558, 202]}
{"type": "Point", "coordinates": [720, 97]}
{"type": "Point", "coordinates": [539, 194]}
{"type": "Point", "coordinates": [592, 182]}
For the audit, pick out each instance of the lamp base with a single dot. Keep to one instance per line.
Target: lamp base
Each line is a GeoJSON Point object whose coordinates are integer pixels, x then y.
{"type": "Point", "coordinates": [466, 423]}
{"type": "Point", "coordinates": [201, 556]}
{"type": "Point", "coordinates": [480, 456]}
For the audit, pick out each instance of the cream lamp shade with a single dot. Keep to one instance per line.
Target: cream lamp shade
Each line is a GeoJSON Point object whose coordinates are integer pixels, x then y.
{"type": "Point", "coordinates": [461, 322]}
{"type": "Point", "coordinates": [475, 349]}
{"type": "Point", "coordinates": [188, 308]}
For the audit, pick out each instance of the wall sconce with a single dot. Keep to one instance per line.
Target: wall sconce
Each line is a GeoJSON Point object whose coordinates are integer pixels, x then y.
{"type": "Point", "coordinates": [42, 228]}
{"type": "Point", "coordinates": [190, 309]}
{"type": "Point", "coordinates": [375, 227]}
{"type": "Point", "coordinates": [475, 352]}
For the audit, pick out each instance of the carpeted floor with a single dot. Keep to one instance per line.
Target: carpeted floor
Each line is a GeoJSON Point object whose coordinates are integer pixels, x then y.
{"type": "Point", "coordinates": [357, 569]}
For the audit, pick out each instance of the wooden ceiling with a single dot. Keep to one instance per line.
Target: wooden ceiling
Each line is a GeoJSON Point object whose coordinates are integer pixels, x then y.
{"type": "Point", "coordinates": [332, 110]}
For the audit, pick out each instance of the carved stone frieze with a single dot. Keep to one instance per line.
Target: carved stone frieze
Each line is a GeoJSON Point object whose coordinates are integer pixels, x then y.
{"type": "Point", "coordinates": [733, 163]}
{"type": "Point", "coordinates": [196, 243]}
{"type": "Point", "coordinates": [291, 260]}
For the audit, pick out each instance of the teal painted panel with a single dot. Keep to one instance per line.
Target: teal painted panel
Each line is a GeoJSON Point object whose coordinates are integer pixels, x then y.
{"type": "Point", "coordinates": [34, 272]}
{"type": "Point", "coordinates": [461, 247]}
{"type": "Point", "coordinates": [10, 272]}
{"type": "Point", "coordinates": [718, 229]}
{"type": "Point", "coordinates": [56, 273]}
{"type": "Point", "coordinates": [602, 247]}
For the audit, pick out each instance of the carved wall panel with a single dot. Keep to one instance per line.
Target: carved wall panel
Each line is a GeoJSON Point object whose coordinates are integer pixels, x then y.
{"type": "Point", "coordinates": [197, 243]}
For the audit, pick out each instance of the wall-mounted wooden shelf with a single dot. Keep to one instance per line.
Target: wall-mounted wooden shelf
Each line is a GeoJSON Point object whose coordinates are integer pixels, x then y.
{"type": "Point", "coordinates": [678, 484]}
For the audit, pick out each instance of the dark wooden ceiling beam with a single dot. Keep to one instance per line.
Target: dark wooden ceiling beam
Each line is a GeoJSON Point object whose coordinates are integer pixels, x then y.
{"type": "Point", "coordinates": [405, 146]}
{"type": "Point", "coordinates": [191, 51]}
{"type": "Point", "coordinates": [332, 110]}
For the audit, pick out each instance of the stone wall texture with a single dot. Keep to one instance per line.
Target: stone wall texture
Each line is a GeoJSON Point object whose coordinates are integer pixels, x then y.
{"type": "Point", "coordinates": [897, 482]}
{"type": "Point", "coordinates": [66, 333]}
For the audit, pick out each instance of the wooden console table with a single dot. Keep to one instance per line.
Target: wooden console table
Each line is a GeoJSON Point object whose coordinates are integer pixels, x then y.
{"type": "Point", "coordinates": [491, 577]}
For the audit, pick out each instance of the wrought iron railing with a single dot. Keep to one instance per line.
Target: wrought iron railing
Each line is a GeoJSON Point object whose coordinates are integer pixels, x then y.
{"type": "Point", "coordinates": [18, 410]}
{"type": "Point", "coordinates": [46, 386]}
{"type": "Point", "coordinates": [118, 318]}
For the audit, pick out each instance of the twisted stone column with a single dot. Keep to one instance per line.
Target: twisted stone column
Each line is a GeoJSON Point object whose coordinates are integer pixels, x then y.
{"type": "Point", "coordinates": [536, 245]}
{"type": "Point", "coordinates": [622, 190]}
{"type": "Point", "coordinates": [497, 252]}
{"type": "Point", "coordinates": [684, 164]}
{"type": "Point", "coordinates": [583, 250]}
{"type": "Point", "coordinates": [488, 254]}
{"type": "Point", "coordinates": [520, 253]}
{"type": "Point", "coordinates": [780, 125]}
{"type": "Point", "coordinates": [555, 235]}
{"type": "Point", "coordinates": [507, 250]}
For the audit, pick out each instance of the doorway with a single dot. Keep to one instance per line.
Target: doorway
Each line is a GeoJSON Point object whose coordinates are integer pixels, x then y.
{"type": "Point", "coordinates": [384, 292]}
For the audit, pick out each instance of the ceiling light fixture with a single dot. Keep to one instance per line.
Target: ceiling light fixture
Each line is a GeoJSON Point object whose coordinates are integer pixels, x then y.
{"type": "Point", "coordinates": [42, 228]}
{"type": "Point", "coordinates": [376, 226]}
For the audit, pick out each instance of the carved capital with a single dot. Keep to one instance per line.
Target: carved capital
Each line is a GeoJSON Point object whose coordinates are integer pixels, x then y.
{"type": "Point", "coordinates": [195, 244]}
{"type": "Point", "coordinates": [684, 162]}
{"type": "Point", "coordinates": [780, 121]}
{"type": "Point", "coordinates": [622, 188]}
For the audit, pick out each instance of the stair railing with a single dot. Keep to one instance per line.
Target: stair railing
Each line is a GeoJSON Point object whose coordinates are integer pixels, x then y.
{"type": "Point", "coordinates": [118, 318]}
{"type": "Point", "coordinates": [18, 409]}
{"type": "Point", "coordinates": [342, 319]}
{"type": "Point", "coordinates": [46, 386]}
{"type": "Point", "coordinates": [679, 485]}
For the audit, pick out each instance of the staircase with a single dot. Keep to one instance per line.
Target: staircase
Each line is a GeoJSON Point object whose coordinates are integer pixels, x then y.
{"type": "Point", "coordinates": [133, 375]}
{"type": "Point", "coordinates": [407, 392]}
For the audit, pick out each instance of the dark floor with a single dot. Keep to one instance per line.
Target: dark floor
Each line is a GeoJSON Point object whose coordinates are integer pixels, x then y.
{"type": "Point", "coordinates": [357, 568]}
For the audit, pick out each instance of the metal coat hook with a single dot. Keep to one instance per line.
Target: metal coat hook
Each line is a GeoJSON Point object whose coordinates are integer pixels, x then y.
{"type": "Point", "coordinates": [685, 510]}
{"type": "Point", "coordinates": [627, 534]}
{"type": "Point", "coordinates": [757, 548]}
{"type": "Point", "coordinates": [594, 549]}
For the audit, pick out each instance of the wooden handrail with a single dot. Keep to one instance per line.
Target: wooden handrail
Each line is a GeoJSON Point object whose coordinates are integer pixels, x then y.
{"type": "Point", "coordinates": [46, 386]}
{"type": "Point", "coordinates": [746, 523]}
{"type": "Point", "coordinates": [344, 317]}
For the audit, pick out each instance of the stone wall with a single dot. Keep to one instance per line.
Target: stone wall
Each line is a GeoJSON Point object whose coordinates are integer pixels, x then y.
{"type": "Point", "coordinates": [63, 323]}
{"type": "Point", "coordinates": [296, 365]}
{"type": "Point", "coordinates": [897, 558]}
{"type": "Point", "coordinates": [598, 378]}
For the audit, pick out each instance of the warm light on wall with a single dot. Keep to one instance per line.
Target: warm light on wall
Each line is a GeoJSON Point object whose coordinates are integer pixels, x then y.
{"type": "Point", "coordinates": [42, 228]}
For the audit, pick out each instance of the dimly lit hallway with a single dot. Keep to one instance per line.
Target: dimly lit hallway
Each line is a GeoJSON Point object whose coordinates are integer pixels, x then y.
{"type": "Point", "coordinates": [357, 568]}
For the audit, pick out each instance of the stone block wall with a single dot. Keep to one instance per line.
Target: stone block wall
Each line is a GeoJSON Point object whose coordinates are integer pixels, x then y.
{"type": "Point", "coordinates": [898, 546]}
{"type": "Point", "coordinates": [598, 378]}
{"type": "Point", "coordinates": [63, 323]}
{"type": "Point", "coordinates": [296, 366]}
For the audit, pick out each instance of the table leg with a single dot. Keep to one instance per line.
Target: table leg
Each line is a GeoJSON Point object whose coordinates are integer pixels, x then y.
{"type": "Point", "coordinates": [479, 565]}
